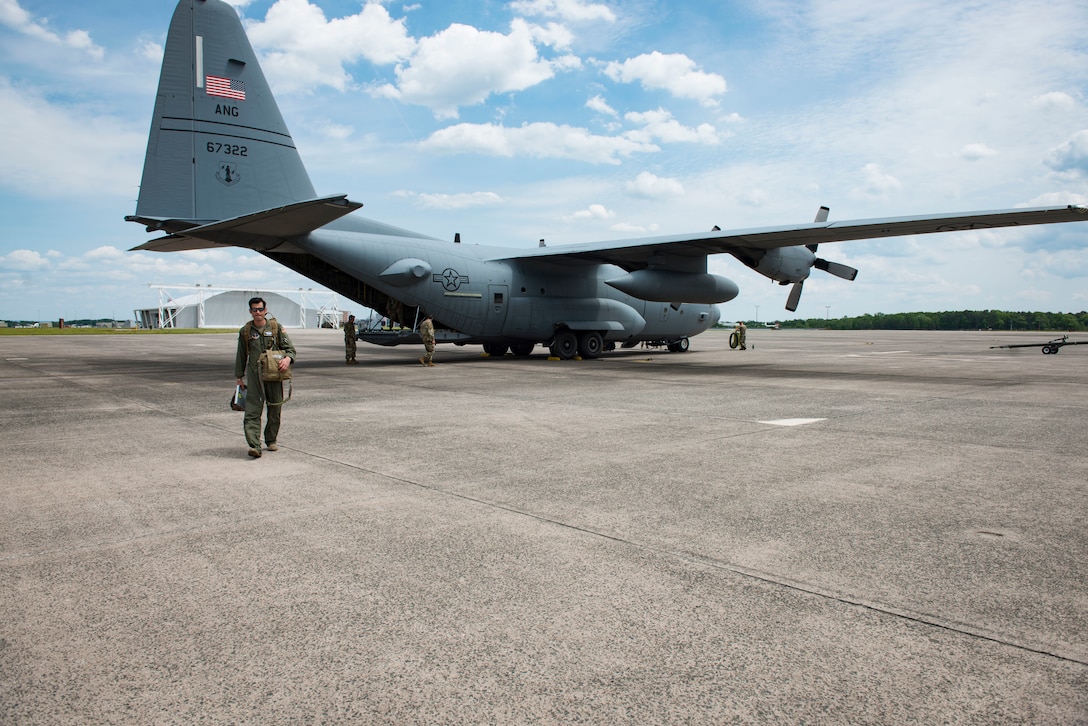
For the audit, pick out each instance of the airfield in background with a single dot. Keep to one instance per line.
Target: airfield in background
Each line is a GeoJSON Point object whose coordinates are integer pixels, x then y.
{"type": "Point", "coordinates": [870, 526]}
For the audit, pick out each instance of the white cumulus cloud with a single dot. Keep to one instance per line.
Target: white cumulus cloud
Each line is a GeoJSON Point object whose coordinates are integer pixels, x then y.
{"type": "Point", "coordinates": [876, 183]}
{"type": "Point", "coordinates": [303, 49]}
{"type": "Point", "coordinates": [553, 34]}
{"type": "Point", "coordinates": [462, 200]}
{"type": "Point", "coordinates": [598, 104]}
{"type": "Point", "coordinates": [65, 149]}
{"type": "Point", "coordinates": [974, 152]}
{"type": "Point", "coordinates": [16, 17]}
{"type": "Point", "coordinates": [21, 260]}
{"type": "Point", "coordinates": [540, 140]}
{"type": "Point", "coordinates": [570, 10]}
{"type": "Point", "coordinates": [594, 211]}
{"type": "Point", "coordinates": [462, 66]}
{"type": "Point", "coordinates": [651, 186]}
{"type": "Point", "coordinates": [1072, 156]}
{"type": "Point", "coordinates": [662, 126]}
{"type": "Point", "coordinates": [1054, 99]}
{"type": "Point", "coordinates": [672, 72]}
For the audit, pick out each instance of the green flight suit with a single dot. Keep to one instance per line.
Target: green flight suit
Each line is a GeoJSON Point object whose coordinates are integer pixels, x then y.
{"type": "Point", "coordinates": [252, 341]}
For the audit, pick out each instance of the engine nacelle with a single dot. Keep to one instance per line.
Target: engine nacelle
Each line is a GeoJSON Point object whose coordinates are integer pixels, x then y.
{"type": "Point", "coordinates": [676, 287]}
{"type": "Point", "coordinates": [784, 265]}
{"type": "Point", "coordinates": [406, 271]}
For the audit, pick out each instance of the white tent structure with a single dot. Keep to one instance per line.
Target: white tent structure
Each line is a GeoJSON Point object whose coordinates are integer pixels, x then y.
{"type": "Point", "coordinates": [200, 306]}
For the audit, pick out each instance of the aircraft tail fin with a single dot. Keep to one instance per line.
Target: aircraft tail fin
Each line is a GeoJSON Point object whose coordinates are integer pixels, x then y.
{"type": "Point", "coordinates": [218, 148]}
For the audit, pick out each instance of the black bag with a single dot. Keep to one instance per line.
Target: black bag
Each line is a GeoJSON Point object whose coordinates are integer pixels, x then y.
{"type": "Point", "coordinates": [238, 400]}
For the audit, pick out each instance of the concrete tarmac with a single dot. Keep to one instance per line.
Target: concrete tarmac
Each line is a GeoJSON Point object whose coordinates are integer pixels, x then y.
{"type": "Point", "coordinates": [830, 527]}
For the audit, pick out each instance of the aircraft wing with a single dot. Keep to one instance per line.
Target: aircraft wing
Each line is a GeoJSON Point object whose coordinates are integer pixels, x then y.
{"type": "Point", "coordinates": [635, 253]}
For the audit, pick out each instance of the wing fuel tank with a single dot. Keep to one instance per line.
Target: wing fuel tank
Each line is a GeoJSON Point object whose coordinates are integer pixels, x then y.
{"type": "Point", "coordinates": [671, 286]}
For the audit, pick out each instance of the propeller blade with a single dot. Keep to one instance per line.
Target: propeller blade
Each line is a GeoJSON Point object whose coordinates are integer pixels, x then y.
{"type": "Point", "coordinates": [834, 268]}
{"type": "Point", "coordinates": [795, 296]}
{"type": "Point", "coordinates": [821, 216]}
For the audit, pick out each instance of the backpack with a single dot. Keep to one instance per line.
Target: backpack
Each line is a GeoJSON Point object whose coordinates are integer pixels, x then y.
{"type": "Point", "coordinates": [268, 364]}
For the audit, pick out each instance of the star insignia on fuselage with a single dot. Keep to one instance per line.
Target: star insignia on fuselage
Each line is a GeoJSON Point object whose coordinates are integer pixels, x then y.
{"type": "Point", "coordinates": [450, 279]}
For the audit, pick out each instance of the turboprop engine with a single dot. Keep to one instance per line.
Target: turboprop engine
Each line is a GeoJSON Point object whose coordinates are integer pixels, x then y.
{"type": "Point", "coordinates": [787, 265]}
{"type": "Point", "coordinates": [792, 265]}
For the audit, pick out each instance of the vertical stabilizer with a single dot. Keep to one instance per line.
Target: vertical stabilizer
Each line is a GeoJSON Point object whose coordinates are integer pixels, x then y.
{"type": "Point", "coordinates": [218, 146]}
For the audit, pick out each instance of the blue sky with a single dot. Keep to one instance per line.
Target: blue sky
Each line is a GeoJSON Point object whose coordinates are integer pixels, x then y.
{"type": "Point", "coordinates": [575, 121]}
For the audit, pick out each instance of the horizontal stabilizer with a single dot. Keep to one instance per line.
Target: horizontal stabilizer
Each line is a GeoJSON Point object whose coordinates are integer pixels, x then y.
{"type": "Point", "coordinates": [174, 243]}
{"type": "Point", "coordinates": [264, 230]}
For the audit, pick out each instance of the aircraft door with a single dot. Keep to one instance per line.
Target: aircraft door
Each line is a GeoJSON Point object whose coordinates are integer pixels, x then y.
{"type": "Point", "coordinates": [497, 300]}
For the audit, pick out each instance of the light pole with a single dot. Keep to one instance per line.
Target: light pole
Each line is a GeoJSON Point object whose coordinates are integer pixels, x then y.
{"type": "Point", "coordinates": [757, 314]}
{"type": "Point", "coordinates": [827, 312]}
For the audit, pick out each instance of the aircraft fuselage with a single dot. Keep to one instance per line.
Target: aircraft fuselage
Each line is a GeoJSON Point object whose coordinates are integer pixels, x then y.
{"type": "Point", "coordinates": [488, 297]}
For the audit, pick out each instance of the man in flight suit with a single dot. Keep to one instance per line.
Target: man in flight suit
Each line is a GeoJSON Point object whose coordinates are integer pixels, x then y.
{"type": "Point", "coordinates": [260, 334]}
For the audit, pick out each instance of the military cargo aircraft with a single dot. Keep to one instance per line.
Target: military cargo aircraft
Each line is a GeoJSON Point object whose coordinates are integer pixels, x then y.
{"type": "Point", "coordinates": [221, 170]}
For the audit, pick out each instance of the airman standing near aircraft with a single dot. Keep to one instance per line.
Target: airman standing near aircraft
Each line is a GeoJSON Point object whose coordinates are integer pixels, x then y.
{"type": "Point", "coordinates": [349, 341]}
{"type": "Point", "coordinates": [260, 334]}
{"type": "Point", "coordinates": [741, 331]}
{"type": "Point", "coordinates": [426, 332]}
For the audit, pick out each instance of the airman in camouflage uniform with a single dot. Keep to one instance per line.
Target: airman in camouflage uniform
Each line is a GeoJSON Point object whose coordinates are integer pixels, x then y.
{"type": "Point", "coordinates": [742, 334]}
{"type": "Point", "coordinates": [349, 341]}
{"type": "Point", "coordinates": [426, 332]}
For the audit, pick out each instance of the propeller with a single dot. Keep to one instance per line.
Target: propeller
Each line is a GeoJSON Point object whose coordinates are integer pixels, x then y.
{"type": "Point", "coordinates": [795, 296]}
{"type": "Point", "coordinates": [834, 268]}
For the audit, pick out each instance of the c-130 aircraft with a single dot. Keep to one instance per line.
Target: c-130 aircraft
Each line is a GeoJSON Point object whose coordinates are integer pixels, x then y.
{"type": "Point", "coordinates": [221, 170]}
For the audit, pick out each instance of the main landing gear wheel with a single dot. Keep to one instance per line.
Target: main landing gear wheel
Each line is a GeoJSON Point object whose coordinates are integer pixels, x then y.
{"type": "Point", "coordinates": [565, 344]}
{"type": "Point", "coordinates": [522, 350]}
{"type": "Point", "coordinates": [590, 344]}
{"type": "Point", "coordinates": [495, 350]}
{"type": "Point", "coordinates": [682, 345]}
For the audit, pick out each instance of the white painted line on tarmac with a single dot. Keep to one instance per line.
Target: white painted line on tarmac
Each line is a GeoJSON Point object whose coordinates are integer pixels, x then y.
{"type": "Point", "coordinates": [882, 352]}
{"type": "Point", "coordinates": [792, 421]}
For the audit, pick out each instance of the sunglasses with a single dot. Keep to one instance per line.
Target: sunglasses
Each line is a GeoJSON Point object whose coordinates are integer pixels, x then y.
{"type": "Point", "coordinates": [256, 310]}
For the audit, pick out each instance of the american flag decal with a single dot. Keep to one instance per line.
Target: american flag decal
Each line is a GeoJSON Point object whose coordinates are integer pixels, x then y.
{"type": "Point", "coordinates": [227, 88]}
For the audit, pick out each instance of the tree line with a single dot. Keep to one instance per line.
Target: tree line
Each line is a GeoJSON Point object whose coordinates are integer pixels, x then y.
{"type": "Point", "coordinates": [951, 320]}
